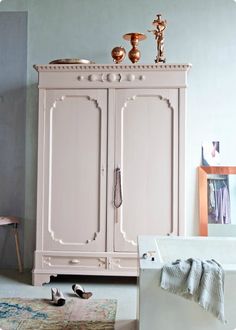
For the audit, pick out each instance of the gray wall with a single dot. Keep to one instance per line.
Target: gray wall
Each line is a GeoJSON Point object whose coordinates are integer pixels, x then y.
{"type": "Point", "coordinates": [199, 32]}
{"type": "Point", "coordinates": [13, 69]}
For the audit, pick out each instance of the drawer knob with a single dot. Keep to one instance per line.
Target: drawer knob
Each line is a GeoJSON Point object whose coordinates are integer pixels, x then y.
{"type": "Point", "coordinates": [74, 261]}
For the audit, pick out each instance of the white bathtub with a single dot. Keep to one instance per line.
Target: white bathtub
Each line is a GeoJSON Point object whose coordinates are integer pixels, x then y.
{"type": "Point", "coordinates": [161, 310]}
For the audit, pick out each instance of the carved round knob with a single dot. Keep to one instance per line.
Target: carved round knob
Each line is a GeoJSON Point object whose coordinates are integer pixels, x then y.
{"type": "Point", "coordinates": [80, 78]}
{"type": "Point", "coordinates": [131, 77]}
{"type": "Point", "coordinates": [92, 77]}
{"type": "Point", "coordinates": [111, 77]}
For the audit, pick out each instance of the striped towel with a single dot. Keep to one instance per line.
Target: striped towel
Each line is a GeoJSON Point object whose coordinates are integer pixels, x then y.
{"type": "Point", "coordinates": [201, 281]}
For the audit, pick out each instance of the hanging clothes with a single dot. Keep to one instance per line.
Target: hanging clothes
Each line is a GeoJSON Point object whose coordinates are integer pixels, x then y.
{"type": "Point", "coordinates": [211, 197]}
{"type": "Point", "coordinates": [222, 211]}
{"type": "Point", "coordinates": [218, 202]}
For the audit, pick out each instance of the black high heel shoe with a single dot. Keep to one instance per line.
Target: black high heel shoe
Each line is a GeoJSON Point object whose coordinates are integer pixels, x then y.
{"type": "Point", "coordinates": [57, 297]}
{"type": "Point", "coordinates": [79, 291]}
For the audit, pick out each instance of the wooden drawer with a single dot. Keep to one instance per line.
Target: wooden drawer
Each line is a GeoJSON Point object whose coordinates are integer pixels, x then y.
{"type": "Point", "coordinates": [74, 262]}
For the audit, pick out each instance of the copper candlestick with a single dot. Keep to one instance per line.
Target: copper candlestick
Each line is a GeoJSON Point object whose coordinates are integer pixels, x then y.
{"type": "Point", "coordinates": [134, 38]}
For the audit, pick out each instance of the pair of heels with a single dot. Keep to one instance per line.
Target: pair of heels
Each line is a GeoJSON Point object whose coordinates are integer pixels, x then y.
{"type": "Point", "coordinates": [59, 300]}
{"type": "Point", "coordinates": [57, 297]}
{"type": "Point", "coordinates": [79, 291]}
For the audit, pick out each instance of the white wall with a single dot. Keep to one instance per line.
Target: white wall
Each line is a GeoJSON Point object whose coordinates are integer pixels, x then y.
{"type": "Point", "coordinates": [13, 65]}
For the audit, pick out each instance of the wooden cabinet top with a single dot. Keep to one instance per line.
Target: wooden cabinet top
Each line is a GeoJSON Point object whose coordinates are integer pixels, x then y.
{"type": "Point", "coordinates": [112, 75]}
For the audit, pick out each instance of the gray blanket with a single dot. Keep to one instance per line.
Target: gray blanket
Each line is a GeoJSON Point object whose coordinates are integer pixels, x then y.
{"type": "Point", "coordinates": [201, 281]}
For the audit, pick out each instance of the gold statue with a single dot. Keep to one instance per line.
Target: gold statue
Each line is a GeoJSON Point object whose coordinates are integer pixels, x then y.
{"type": "Point", "coordinates": [159, 36]}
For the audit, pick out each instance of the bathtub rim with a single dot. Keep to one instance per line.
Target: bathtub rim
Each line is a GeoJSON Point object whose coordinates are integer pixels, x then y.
{"type": "Point", "coordinates": [150, 242]}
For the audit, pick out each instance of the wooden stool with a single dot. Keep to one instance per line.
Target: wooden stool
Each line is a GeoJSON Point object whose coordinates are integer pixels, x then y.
{"type": "Point", "coordinates": [5, 221]}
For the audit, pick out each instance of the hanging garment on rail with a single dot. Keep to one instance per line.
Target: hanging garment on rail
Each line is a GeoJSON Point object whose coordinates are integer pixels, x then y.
{"type": "Point", "coordinates": [218, 202]}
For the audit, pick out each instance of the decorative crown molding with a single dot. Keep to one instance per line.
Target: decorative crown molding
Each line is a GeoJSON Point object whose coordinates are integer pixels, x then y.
{"type": "Point", "coordinates": [117, 67]}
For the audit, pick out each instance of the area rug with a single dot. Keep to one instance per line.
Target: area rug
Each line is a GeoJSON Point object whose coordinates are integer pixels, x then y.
{"type": "Point", "coordinates": [38, 314]}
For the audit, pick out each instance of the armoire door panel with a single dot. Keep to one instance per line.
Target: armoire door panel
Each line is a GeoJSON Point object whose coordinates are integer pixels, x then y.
{"type": "Point", "coordinates": [76, 162]}
{"type": "Point", "coordinates": [146, 151]}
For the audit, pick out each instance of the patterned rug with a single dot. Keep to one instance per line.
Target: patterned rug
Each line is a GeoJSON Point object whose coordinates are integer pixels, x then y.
{"type": "Point", "coordinates": [76, 314]}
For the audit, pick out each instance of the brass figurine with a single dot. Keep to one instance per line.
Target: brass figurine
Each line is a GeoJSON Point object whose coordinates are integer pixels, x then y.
{"type": "Point", "coordinates": [118, 54]}
{"type": "Point", "coordinates": [160, 26]}
{"type": "Point", "coordinates": [134, 38]}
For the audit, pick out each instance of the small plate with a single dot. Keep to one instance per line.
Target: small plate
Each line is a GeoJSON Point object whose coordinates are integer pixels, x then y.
{"type": "Point", "coordinates": [71, 61]}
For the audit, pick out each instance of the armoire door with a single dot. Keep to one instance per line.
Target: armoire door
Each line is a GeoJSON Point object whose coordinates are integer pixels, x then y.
{"type": "Point", "coordinates": [72, 194]}
{"type": "Point", "coordinates": [146, 165]}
